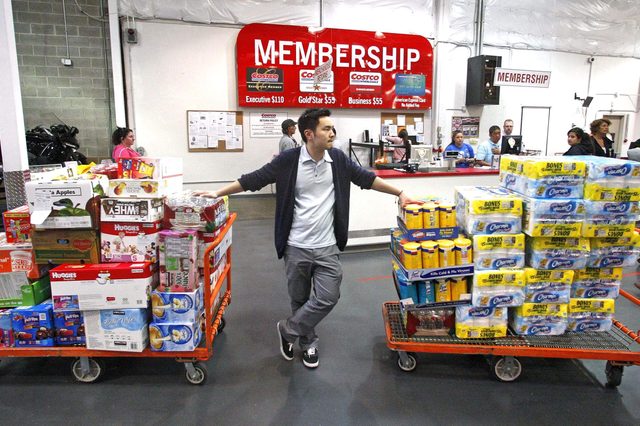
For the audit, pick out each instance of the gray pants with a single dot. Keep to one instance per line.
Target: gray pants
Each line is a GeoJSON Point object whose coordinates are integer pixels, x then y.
{"type": "Point", "coordinates": [307, 269]}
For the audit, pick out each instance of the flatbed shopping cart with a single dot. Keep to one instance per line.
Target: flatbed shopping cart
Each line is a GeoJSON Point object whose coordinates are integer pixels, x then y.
{"type": "Point", "coordinates": [620, 346]}
{"type": "Point", "coordinates": [88, 364]}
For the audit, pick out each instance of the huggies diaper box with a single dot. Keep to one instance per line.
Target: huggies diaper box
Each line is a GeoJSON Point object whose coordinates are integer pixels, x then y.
{"type": "Point", "coordinates": [102, 286]}
{"type": "Point", "coordinates": [123, 330]}
{"type": "Point", "coordinates": [129, 241]}
{"type": "Point", "coordinates": [33, 325]}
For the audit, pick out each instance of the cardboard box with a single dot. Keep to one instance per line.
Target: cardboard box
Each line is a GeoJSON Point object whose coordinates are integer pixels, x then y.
{"type": "Point", "coordinates": [48, 172]}
{"type": "Point", "coordinates": [131, 210]}
{"type": "Point", "coordinates": [66, 246]}
{"type": "Point", "coordinates": [124, 330]}
{"type": "Point", "coordinates": [129, 242]}
{"type": "Point", "coordinates": [102, 286]}
{"type": "Point", "coordinates": [11, 288]}
{"type": "Point", "coordinates": [175, 337]}
{"type": "Point", "coordinates": [37, 292]}
{"type": "Point", "coordinates": [33, 325]}
{"type": "Point", "coordinates": [145, 188]}
{"type": "Point", "coordinates": [69, 328]}
{"type": "Point", "coordinates": [66, 203]}
{"type": "Point", "coordinates": [17, 224]}
{"type": "Point", "coordinates": [186, 211]}
{"type": "Point", "coordinates": [178, 260]}
{"type": "Point", "coordinates": [6, 328]}
{"type": "Point", "coordinates": [149, 168]}
{"type": "Point", "coordinates": [19, 257]}
{"type": "Point", "coordinates": [177, 306]}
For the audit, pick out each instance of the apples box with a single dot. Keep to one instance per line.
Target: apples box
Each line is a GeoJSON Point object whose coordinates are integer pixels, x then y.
{"type": "Point", "coordinates": [175, 336]}
{"type": "Point", "coordinates": [66, 246]}
{"type": "Point", "coordinates": [19, 257]}
{"type": "Point", "coordinates": [131, 210]}
{"type": "Point", "coordinates": [17, 224]}
{"type": "Point", "coordinates": [124, 330]}
{"type": "Point", "coordinates": [33, 325]}
{"type": "Point", "coordinates": [69, 328]}
{"type": "Point", "coordinates": [129, 242]}
{"type": "Point", "coordinates": [176, 306]}
{"type": "Point", "coordinates": [102, 286]}
{"type": "Point", "coordinates": [149, 168]}
{"type": "Point", "coordinates": [66, 203]}
{"type": "Point", "coordinates": [144, 188]}
{"type": "Point", "coordinates": [178, 257]}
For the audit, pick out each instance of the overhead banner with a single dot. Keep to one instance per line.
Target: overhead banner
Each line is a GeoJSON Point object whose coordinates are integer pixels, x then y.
{"type": "Point", "coordinates": [293, 66]}
{"type": "Point", "coordinates": [523, 78]}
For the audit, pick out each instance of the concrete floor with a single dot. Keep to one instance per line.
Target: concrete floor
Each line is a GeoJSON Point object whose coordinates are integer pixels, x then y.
{"type": "Point", "coordinates": [357, 382]}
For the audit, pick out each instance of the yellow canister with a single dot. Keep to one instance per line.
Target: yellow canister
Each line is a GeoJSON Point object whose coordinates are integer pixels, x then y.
{"type": "Point", "coordinates": [446, 256]}
{"type": "Point", "coordinates": [458, 287]}
{"type": "Point", "coordinates": [430, 215]}
{"type": "Point", "coordinates": [447, 215]}
{"type": "Point", "coordinates": [413, 216]}
{"type": "Point", "coordinates": [411, 255]}
{"type": "Point", "coordinates": [396, 236]}
{"type": "Point", "coordinates": [443, 292]}
{"type": "Point", "coordinates": [463, 251]}
{"type": "Point", "coordinates": [430, 255]}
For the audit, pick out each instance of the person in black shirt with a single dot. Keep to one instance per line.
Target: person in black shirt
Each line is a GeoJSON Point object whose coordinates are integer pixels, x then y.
{"type": "Point", "coordinates": [602, 145]}
{"type": "Point", "coordinates": [579, 142]}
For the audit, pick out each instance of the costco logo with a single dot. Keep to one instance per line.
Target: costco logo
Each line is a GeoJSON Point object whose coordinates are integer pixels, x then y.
{"type": "Point", "coordinates": [307, 84]}
{"type": "Point", "coordinates": [365, 82]}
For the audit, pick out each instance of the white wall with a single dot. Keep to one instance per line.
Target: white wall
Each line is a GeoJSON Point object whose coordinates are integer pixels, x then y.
{"type": "Point", "coordinates": [177, 67]}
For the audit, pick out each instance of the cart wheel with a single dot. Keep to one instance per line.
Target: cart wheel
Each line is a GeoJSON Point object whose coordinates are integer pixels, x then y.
{"type": "Point", "coordinates": [93, 373]}
{"type": "Point", "coordinates": [409, 364]}
{"type": "Point", "coordinates": [614, 374]}
{"type": "Point", "coordinates": [221, 324]}
{"type": "Point", "coordinates": [506, 368]}
{"type": "Point", "coordinates": [196, 373]}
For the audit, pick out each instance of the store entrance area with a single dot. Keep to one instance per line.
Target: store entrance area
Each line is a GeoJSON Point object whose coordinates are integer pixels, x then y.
{"type": "Point", "coordinates": [357, 382]}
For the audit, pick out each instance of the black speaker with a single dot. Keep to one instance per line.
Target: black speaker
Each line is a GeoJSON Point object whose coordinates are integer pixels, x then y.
{"type": "Point", "coordinates": [480, 73]}
{"type": "Point", "coordinates": [365, 136]}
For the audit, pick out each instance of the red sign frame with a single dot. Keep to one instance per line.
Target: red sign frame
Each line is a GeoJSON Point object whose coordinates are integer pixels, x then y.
{"type": "Point", "coordinates": [286, 66]}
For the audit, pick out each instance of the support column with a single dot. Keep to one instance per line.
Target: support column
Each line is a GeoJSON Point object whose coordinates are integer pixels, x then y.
{"type": "Point", "coordinates": [12, 139]}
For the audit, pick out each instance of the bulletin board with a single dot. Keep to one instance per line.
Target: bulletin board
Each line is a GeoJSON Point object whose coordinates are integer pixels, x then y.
{"type": "Point", "coordinates": [392, 122]}
{"type": "Point", "coordinates": [214, 131]}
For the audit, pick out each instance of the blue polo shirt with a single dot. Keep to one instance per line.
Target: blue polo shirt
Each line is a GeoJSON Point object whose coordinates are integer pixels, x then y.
{"type": "Point", "coordinates": [465, 151]}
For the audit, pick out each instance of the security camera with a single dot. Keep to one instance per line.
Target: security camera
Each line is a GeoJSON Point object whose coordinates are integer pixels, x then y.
{"type": "Point", "coordinates": [591, 59]}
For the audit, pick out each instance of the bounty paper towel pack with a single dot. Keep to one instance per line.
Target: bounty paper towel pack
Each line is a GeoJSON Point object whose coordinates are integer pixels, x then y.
{"type": "Point", "coordinates": [498, 251]}
{"type": "Point", "coordinates": [488, 210]}
{"type": "Point", "coordinates": [533, 319]}
{"type": "Point", "coordinates": [503, 288]}
{"type": "Point", "coordinates": [547, 286]}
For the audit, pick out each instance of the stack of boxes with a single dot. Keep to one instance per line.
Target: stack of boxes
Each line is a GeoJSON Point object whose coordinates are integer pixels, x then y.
{"type": "Point", "coordinates": [491, 216]}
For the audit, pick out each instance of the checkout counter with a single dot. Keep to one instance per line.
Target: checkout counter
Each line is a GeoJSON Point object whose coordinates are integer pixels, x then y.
{"type": "Point", "coordinates": [373, 213]}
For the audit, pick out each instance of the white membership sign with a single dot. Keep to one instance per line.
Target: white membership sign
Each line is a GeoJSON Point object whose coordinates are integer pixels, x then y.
{"type": "Point", "coordinates": [522, 78]}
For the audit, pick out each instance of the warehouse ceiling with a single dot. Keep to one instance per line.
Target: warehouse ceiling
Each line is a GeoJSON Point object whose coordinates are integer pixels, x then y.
{"type": "Point", "coordinates": [594, 27]}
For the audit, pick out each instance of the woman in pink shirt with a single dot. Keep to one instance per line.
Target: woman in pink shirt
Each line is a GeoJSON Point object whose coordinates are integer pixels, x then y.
{"type": "Point", "coordinates": [123, 140]}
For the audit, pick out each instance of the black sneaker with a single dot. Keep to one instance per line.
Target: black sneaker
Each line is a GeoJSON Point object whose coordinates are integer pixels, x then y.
{"type": "Point", "coordinates": [286, 348]}
{"type": "Point", "coordinates": [310, 358]}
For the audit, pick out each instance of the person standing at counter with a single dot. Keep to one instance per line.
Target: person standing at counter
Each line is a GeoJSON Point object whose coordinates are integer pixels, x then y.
{"type": "Point", "coordinates": [123, 139]}
{"type": "Point", "coordinates": [465, 151]}
{"type": "Point", "coordinates": [311, 225]}
{"type": "Point", "coordinates": [487, 149]}
{"type": "Point", "coordinates": [400, 154]}
{"type": "Point", "coordinates": [579, 142]}
{"type": "Point", "coordinates": [287, 141]}
{"type": "Point", "coordinates": [602, 145]}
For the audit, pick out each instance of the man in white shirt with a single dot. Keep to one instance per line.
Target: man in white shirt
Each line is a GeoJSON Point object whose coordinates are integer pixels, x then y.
{"type": "Point", "coordinates": [487, 149]}
{"type": "Point", "coordinates": [507, 127]}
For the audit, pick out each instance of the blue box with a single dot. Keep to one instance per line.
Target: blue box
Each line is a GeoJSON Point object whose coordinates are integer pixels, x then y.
{"type": "Point", "coordinates": [175, 337]}
{"type": "Point", "coordinates": [177, 306]}
{"type": "Point", "coordinates": [33, 325]}
{"type": "Point", "coordinates": [69, 328]}
{"type": "Point", "coordinates": [6, 329]}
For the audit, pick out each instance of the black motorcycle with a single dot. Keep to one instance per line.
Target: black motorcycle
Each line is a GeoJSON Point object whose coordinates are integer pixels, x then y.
{"type": "Point", "coordinates": [53, 145]}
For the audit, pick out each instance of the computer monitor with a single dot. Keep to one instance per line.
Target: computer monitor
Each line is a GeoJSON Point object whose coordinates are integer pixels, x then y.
{"type": "Point", "coordinates": [421, 154]}
{"type": "Point", "coordinates": [511, 144]}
